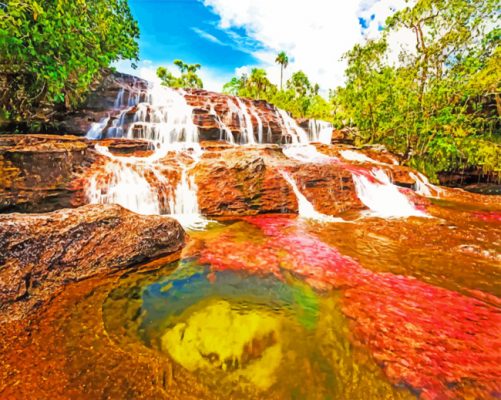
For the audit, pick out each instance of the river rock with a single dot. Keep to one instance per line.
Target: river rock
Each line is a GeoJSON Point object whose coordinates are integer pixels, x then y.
{"type": "Point", "coordinates": [40, 253]}
{"type": "Point", "coordinates": [36, 171]}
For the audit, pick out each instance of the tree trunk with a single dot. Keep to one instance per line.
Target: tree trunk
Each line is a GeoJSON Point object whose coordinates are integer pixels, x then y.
{"type": "Point", "coordinates": [281, 75]}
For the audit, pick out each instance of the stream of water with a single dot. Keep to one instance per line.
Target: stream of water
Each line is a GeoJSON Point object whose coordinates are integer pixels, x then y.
{"type": "Point", "coordinates": [400, 303]}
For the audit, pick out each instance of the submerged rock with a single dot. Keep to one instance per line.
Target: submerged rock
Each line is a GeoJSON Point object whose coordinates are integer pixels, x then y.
{"type": "Point", "coordinates": [41, 253]}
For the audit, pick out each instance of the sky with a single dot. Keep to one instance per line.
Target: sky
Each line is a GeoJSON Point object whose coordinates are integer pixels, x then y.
{"type": "Point", "coordinates": [230, 37]}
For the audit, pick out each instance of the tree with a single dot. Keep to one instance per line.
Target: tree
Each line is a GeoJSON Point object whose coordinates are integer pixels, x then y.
{"type": "Point", "coordinates": [51, 51]}
{"type": "Point", "coordinates": [283, 60]}
{"type": "Point", "coordinates": [301, 98]}
{"type": "Point", "coordinates": [187, 79]}
{"type": "Point", "coordinates": [435, 105]}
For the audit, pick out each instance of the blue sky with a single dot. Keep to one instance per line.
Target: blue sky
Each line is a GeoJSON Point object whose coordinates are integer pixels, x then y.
{"type": "Point", "coordinates": [186, 29]}
{"type": "Point", "coordinates": [229, 37]}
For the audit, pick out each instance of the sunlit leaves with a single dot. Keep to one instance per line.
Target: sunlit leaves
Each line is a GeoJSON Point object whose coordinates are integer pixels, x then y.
{"type": "Point", "coordinates": [441, 104]}
{"type": "Point", "coordinates": [188, 76]}
{"type": "Point", "coordinates": [52, 50]}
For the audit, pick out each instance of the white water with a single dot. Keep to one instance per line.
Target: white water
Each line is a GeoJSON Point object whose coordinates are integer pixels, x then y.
{"type": "Point", "coordinates": [305, 153]}
{"type": "Point", "coordinates": [296, 134]}
{"type": "Point", "coordinates": [125, 182]}
{"type": "Point", "coordinates": [225, 133]}
{"type": "Point", "coordinates": [320, 131]}
{"type": "Point", "coordinates": [423, 186]}
{"type": "Point", "coordinates": [244, 121]}
{"type": "Point", "coordinates": [305, 208]}
{"type": "Point", "coordinates": [351, 155]}
{"type": "Point", "coordinates": [382, 197]}
{"type": "Point", "coordinates": [166, 122]}
{"type": "Point", "coordinates": [97, 128]}
{"type": "Point", "coordinates": [300, 148]}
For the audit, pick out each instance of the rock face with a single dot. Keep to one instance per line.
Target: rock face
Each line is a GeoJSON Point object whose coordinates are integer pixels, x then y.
{"type": "Point", "coordinates": [36, 171]}
{"type": "Point", "coordinates": [39, 173]}
{"type": "Point", "coordinates": [217, 116]}
{"type": "Point", "coordinates": [43, 252]}
{"type": "Point", "coordinates": [249, 181]}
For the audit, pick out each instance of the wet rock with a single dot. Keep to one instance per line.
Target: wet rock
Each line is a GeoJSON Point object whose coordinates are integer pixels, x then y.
{"type": "Point", "coordinates": [36, 171]}
{"type": "Point", "coordinates": [43, 252]}
{"type": "Point", "coordinates": [216, 115]}
{"type": "Point", "coordinates": [249, 181]}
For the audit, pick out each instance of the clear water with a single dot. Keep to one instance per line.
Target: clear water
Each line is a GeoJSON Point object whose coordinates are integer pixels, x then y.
{"type": "Point", "coordinates": [281, 307]}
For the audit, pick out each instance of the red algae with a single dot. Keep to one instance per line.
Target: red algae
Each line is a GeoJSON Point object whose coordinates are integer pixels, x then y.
{"type": "Point", "coordinates": [488, 216]}
{"type": "Point", "coordinates": [437, 342]}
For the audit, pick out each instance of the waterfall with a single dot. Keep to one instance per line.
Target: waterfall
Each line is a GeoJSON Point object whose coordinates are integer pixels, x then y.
{"type": "Point", "coordinates": [184, 204]}
{"type": "Point", "coordinates": [297, 134]}
{"type": "Point", "coordinates": [383, 198]}
{"type": "Point", "coordinates": [137, 183]}
{"type": "Point", "coordinates": [320, 131]}
{"type": "Point", "coordinates": [423, 186]}
{"type": "Point", "coordinates": [165, 120]}
{"type": "Point", "coordinates": [351, 155]}
{"type": "Point", "coordinates": [244, 121]}
{"type": "Point", "coordinates": [96, 128]}
{"type": "Point", "coordinates": [305, 208]}
{"type": "Point", "coordinates": [225, 133]}
{"type": "Point", "coordinates": [124, 182]}
{"type": "Point", "coordinates": [300, 148]}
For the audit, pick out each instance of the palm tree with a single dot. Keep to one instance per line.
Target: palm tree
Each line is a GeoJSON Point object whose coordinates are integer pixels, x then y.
{"type": "Point", "coordinates": [283, 60]}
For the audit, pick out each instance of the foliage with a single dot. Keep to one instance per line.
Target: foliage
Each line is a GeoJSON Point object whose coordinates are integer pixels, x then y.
{"type": "Point", "coordinates": [283, 60]}
{"type": "Point", "coordinates": [439, 105]}
{"type": "Point", "coordinates": [53, 50]}
{"type": "Point", "coordinates": [300, 97]}
{"type": "Point", "coordinates": [187, 79]}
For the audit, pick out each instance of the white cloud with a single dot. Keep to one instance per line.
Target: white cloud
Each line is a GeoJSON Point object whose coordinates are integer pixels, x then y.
{"type": "Point", "coordinates": [146, 69]}
{"type": "Point", "coordinates": [208, 36]}
{"type": "Point", "coordinates": [315, 34]}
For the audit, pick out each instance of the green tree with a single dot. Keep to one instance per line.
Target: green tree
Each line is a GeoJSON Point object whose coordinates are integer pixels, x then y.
{"type": "Point", "coordinates": [283, 60]}
{"type": "Point", "coordinates": [300, 98]}
{"type": "Point", "coordinates": [435, 105]}
{"type": "Point", "coordinates": [188, 78]}
{"type": "Point", "coordinates": [51, 51]}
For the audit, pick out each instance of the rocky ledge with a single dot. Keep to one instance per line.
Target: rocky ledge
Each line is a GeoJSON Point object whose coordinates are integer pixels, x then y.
{"type": "Point", "coordinates": [41, 173]}
{"type": "Point", "coordinates": [43, 252]}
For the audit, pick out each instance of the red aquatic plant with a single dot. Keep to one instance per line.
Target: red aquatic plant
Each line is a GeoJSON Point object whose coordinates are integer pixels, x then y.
{"type": "Point", "coordinates": [438, 342]}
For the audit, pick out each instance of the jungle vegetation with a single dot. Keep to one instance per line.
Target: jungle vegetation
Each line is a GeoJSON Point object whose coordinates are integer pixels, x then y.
{"type": "Point", "coordinates": [52, 51]}
{"type": "Point", "coordinates": [188, 77]}
{"type": "Point", "coordinates": [436, 102]}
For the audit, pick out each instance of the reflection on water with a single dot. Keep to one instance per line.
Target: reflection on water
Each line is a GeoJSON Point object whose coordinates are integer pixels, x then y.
{"type": "Point", "coordinates": [246, 335]}
{"type": "Point", "coordinates": [282, 308]}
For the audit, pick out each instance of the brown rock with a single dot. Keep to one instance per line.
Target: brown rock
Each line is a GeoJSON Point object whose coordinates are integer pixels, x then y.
{"type": "Point", "coordinates": [248, 181]}
{"type": "Point", "coordinates": [36, 171]}
{"type": "Point", "coordinates": [40, 253]}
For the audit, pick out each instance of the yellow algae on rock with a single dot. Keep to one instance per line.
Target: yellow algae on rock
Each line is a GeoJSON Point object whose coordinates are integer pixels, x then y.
{"type": "Point", "coordinates": [241, 343]}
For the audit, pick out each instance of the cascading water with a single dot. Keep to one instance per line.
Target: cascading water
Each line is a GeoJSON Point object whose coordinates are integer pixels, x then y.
{"type": "Point", "coordinates": [351, 155]}
{"type": "Point", "coordinates": [97, 128]}
{"type": "Point", "coordinates": [320, 131]}
{"type": "Point", "coordinates": [125, 182]}
{"type": "Point", "coordinates": [165, 120]}
{"type": "Point", "coordinates": [300, 148]}
{"type": "Point", "coordinates": [137, 183]}
{"type": "Point", "coordinates": [295, 133]}
{"type": "Point", "coordinates": [305, 208]}
{"type": "Point", "coordinates": [383, 198]}
{"type": "Point", "coordinates": [244, 121]}
{"type": "Point", "coordinates": [225, 133]}
{"type": "Point", "coordinates": [423, 186]}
